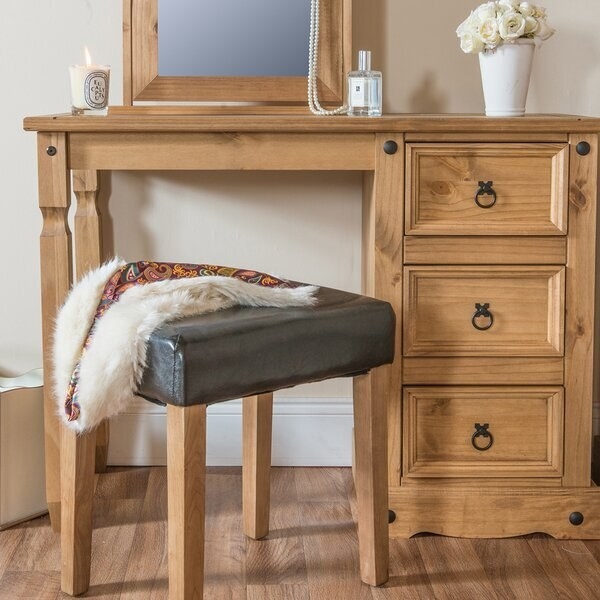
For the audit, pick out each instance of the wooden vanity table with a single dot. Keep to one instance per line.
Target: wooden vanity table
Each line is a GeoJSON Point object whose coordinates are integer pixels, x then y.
{"type": "Point", "coordinates": [481, 233]}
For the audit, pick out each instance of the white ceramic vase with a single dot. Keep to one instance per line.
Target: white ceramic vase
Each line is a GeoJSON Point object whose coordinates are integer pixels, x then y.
{"type": "Point", "coordinates": [505, 74]}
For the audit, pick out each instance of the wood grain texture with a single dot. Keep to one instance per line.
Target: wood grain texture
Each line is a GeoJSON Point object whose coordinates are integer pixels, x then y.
{"type": "Point", "coordinates": [452, 570]}
{"type": "Point", "coordinates": [513, 569]}
{"type": "Point", "coordinates": [530, 182]}
{"type": "Point", "coordinates": [218, 151]}
{"type": "Point", "coordinates": [56, 278]}
{"type": "Point", "coordinates": [382, 240]}
{"type": "Point", "coordinates": [489, 511]}
{"type": "Point", "coordinates": [148, 84]}
{"type": "Point", "coordinates": [526, 302]}
{"type": "Point", "coordinates": [256, 470]}
{"type": "Point", "coordinates": [370, 443]}
{"type": "Point", "coordinates": [570, 552]}
{"type": "Point", "coordinates": [527, 128]}
{"type": "Point", "coordinates": [235, 141]}
{"type": "Point", "coordinates": [580, 316]}
{"type": "Point", "coordinates": [144, 44]}
{"type": "Point", "coordinates": [186, 464]}
{"type": "Point", "coordinates": [146, 568]}
{"type": "Point", "coordinates": [88, 241]}
{"type": "Point", "coordinates": [77, 490]}
{"type": "Point", "coordinates": [430, 250]}
{"type": "Point", "coordinates": [476, 370]}
{"type": "Point", "coordinates": [321, 533]}
{"type": "Point", "coordinates": [127, 58]}
{"type": "Point", "coordinates": [525, 425]}
{"type": "Point", "coordinates": [328, 511]}
{"type": "Point", "coordinates": [279, 559]}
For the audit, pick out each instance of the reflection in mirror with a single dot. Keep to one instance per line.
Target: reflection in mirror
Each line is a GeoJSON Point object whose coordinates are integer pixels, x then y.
{"type": "Point", "coordinates": [233, 37]}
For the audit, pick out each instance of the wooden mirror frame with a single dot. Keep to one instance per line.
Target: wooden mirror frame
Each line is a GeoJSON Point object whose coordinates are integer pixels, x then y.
{"type": "Point", "coordinates": [141, 81]}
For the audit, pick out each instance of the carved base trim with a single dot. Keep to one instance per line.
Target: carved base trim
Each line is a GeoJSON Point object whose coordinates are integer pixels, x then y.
{"type": "Point", "coordinates": [496, 512]}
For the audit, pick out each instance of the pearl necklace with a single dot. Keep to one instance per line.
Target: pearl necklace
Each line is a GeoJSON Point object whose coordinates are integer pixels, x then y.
{"type": "Point", "coordinates": [313, 60]}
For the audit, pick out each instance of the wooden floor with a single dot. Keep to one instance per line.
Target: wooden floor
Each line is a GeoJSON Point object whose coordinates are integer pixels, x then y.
{"type": "Point", "coordinates": [311, 553]}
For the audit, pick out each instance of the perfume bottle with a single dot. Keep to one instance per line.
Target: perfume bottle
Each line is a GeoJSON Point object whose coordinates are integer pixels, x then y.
{"type": "Point", "coordinates": [364, 88]}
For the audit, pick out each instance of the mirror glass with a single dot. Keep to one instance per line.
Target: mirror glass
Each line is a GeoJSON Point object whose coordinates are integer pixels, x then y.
{"type": "Point", "coordinates": [237, 38]}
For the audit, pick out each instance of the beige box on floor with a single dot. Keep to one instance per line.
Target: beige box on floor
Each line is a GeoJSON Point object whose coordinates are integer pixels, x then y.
{"type": "Point", "coordinates": [22, 481]}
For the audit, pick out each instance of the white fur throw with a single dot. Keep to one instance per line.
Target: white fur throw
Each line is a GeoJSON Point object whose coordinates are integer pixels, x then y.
{"type": "Point", "coordinates": [112, 366]}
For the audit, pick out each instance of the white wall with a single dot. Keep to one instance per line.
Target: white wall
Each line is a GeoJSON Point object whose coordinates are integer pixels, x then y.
{"type": "Point", "coordinates": [304, 226]}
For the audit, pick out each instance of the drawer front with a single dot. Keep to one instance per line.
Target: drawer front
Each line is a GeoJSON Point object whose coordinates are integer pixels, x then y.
{"type": "Point", "coordinates": [484, 311]}
{"type": "Point", "coordinates": [482, 432]}
{"type": "Point", "coordinates": [483, 189]}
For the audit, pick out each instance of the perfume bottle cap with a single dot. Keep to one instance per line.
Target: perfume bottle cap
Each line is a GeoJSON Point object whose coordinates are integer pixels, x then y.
{"type": "Point", "coordinates": [364, 60]}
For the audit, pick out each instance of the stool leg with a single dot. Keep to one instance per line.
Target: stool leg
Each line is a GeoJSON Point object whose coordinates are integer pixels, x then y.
{"type": "Point", "coordinates": [77, 491]}
{"type": "Point", "coordinates": [257, 428]}
{"type": "Point", "coordinates": [370, 435]}
{"type": "Point", "coordinates": [186, 465]}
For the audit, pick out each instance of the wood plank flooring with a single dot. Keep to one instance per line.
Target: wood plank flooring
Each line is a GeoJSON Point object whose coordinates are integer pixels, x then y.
{"type": "Point", "coordinates": [310, 554]}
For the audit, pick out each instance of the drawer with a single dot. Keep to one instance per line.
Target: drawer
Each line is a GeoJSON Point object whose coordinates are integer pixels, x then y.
{"type": "Point", "coordinates": [484, 311]}
{"type": "Point", "coordinates": [482, 432]}
{"type": "Point", "coordinates": [476, 189]}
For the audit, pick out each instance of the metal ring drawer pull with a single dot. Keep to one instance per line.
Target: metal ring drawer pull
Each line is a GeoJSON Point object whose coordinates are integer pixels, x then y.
{"type": "Point", "coordinates": [481, 311]}
{"type": "Point", "coordinates": [485, 189]}
{"type": "Point", "coordinates": [482, 431]}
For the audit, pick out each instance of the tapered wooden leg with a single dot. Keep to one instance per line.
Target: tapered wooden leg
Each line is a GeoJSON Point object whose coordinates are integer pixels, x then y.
{"type": "Point", "coordinates": [56, 277]}
{"type": "Point", "coordinates": [77, 491]}
{"type": "Point", "coordinates": [256, 470]}
{"type": "Point", "coordinates": [186, 464]}
{"type": "Point", "coordinates": [370, 435]}
{"type": "Point", "coordinates": [88, 255]}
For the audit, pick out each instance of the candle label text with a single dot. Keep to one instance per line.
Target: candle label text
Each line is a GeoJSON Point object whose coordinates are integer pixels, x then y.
{"type": "Point", "coordinates": [96, 89]}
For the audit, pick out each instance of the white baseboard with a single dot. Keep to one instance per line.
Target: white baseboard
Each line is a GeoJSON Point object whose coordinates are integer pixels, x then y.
{"type": "Point", "coordinates": [306, 432]}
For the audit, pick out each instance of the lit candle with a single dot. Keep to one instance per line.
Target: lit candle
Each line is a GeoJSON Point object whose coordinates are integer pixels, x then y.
{"type": "Point", "coordinates": [89, 87]}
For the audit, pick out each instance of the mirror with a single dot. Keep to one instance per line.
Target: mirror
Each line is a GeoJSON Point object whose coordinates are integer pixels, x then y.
{"type": "Point", "coordinates": [232, 51]}
{"type": "Point", "coordinates": [233, 38]}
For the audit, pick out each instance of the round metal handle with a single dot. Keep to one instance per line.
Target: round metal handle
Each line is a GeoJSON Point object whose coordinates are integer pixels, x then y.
{"type": "Point", "coordinates": [481, 431]}
{"type": "Point", "coordinates": [485, 189]}
{"type": "Point", "coordinates": [482, 312]}
{"type": "Point", "coordinates": [51, 150]}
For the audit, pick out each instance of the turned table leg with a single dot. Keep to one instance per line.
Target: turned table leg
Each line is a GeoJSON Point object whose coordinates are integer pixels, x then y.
{"type": "Point", "coordinates": [56, 277]}
{"type": "Point", "coordinates": [88, 255]}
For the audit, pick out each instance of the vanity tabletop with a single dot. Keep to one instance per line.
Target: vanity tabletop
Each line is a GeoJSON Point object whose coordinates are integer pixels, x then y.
{"type": "Point", "coordinates": [161, 119]}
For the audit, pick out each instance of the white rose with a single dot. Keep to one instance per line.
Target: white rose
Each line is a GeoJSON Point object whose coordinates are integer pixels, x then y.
{"type": "Point", "coordinates": [544, 31]}
{"type": "Point", "coordinates": [489, 34]}
{"type": "Point", "coordinates": [539, 12]}
{"type": "Point", "coordinates": [511, 25]}
{"type": "Point", "coordinates": [471, 43]}
{"type": "Point", "coordinates": [467, 26]}
{"type": "Point", "coordinates": [531, 25]}
{"type": "Point", "coordinates": [526, 9]}
{"type": "Point", "coordinates": [510, 5]}
{"type": "Point", "coordinates": [485, 11]}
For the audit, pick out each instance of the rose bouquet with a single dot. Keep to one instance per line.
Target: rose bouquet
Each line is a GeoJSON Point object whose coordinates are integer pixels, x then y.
{"type": "Point", "coordinates": [494, 23]}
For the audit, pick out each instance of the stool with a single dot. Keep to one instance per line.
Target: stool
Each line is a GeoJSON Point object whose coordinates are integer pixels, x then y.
{"type": "Point", "coordinates": [245, 352]}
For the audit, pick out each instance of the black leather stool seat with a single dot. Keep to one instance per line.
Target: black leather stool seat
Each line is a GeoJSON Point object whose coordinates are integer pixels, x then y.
{"type": "Point", "coordinates": [244, 351]}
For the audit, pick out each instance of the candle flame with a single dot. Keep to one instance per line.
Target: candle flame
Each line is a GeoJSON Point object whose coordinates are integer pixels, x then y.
{"type": "Point", "coordinates": [88, 58]}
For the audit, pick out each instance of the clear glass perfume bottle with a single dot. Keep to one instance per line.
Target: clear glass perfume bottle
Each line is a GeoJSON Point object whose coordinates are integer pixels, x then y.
{"type": "Point", "coordinates": [364, 88]}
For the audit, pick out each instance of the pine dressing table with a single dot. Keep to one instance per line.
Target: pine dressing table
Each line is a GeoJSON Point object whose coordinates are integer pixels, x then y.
{"type": "Point", "coordinates": [482, 234]}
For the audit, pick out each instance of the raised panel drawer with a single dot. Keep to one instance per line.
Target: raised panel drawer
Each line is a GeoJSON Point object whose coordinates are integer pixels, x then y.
{"type": "Point", "coordinates": [522, 189]}
{"type": "Point", "coordinates": [484, 311]}
{"type": "Point", "coordinates": [482, 432]}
